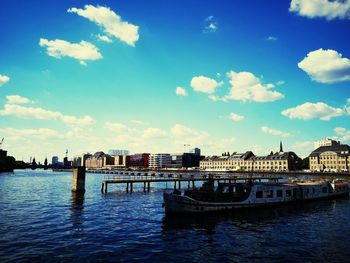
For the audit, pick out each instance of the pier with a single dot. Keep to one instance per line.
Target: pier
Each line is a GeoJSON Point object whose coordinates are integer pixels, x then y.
{"type": "Point", "coordinates": [178, 180]}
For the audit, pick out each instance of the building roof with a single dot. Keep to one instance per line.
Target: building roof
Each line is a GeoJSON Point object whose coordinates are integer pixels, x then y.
{"type": "Point", "coordinates": [339, 149]}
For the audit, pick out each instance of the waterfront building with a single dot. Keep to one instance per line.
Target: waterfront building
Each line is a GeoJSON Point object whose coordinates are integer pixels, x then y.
{"type": "Point", "coordinates": [139, 160]}
{"type": "Point", "coordinates": [81, 160]}
{"type": "Point", "coordinates": [330, 158]}
{"type": "Point", "coordinates": [159, 160]}
{"type": "Point", "coordinates": [195, 151]}
{"type": "Point", "coordinates": [325, 142]}
{"type": "Point", "coordinates": [120, 161]}
{"type": "Point", "coordinates": [279, 161]}
{"type": "Point", "coordinates": [118, 152]}
{"type": "Point", "coordinates": [54, 160]}
{"type": "Point", "coordinates": [99, 160]}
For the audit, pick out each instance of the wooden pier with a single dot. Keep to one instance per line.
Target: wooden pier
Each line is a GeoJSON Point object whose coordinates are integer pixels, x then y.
{"type": "Point", "coordinates": [177, 180]}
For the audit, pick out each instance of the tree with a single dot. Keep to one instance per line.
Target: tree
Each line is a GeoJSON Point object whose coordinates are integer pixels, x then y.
{"type": "Point", "coordinates": [45, 164]}
{"type": "Point", "coordinates": [34, 164]}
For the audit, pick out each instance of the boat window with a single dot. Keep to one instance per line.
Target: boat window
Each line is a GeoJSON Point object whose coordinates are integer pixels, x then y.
{"type": "Point", "coordinates": [313, 190]}
{"type": "Point", "coordinates": [279, 193]}
{"type": "Point", "coordinates": [269, 193]}
{"type": "Point", "coordinates": [324, 189]}
{"type": "Point", "coordinates": [288, 193]}
{"type": "Point", "coordinates": [306, 190]}
{"type": "Point", "coordinates": [259, 194]}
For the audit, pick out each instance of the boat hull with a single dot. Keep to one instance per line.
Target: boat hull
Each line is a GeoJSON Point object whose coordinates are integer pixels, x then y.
{"type": "Point", "coordinates": [175, 203]}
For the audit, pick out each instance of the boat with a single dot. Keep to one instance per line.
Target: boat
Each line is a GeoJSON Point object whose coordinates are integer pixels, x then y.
{"type": "Point", "coordinates": [249, 193]}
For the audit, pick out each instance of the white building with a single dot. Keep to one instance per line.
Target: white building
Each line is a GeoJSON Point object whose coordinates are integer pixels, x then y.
{"type": "Point", "coordinates": [118, 152]}
{"type": "Point", "coordinates": [159, 160]}
{"type": "Point", "coordinates": [325, 142]}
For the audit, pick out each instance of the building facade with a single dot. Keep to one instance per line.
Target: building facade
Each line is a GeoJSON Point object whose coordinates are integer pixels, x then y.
{"type": "Point", "coordinates": [139, 160]}
{"type": "Point", "coordinates": [279, 161]}
{"type": "Point", "coordinates": [99, 160]}
{"type": "Point", "coordinates": [159, 160]}
{"type": "Point", "coordinates": [333, 158]}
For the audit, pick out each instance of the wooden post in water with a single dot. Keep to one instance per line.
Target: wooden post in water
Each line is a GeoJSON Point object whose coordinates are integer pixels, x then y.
{"type": "Point", "coordinates": [127, 187]}
{"type": "Point", "coordinates": [78, 185]}
{"type": "Point", "coordinates": [192, 184]}
{"type": "Point", "coordinates": [144, 186]}
{"type": "Point", "coordinates": [148, 186]}
{"type": "Point", "coordinates": [130, 187]}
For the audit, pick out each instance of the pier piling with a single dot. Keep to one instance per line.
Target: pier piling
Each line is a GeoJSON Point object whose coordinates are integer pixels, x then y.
{"type": "Point", "coordinates": [78, 185]}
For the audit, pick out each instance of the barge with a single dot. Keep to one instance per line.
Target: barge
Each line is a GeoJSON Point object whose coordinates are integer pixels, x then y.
{"type": "Point", "coordinates": [249, 194]}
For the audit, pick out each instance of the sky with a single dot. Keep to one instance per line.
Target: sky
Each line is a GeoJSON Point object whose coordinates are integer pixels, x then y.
{"type": "Point", "coordinates": [167, 76]}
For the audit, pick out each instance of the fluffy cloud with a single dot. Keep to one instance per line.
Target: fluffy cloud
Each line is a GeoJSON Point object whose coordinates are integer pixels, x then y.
{"type": "Point", "coordinates": [310, 110]}
{"type": "Point", "coordinates": [274, 132]}
{"type": "Point", "coordinates": [236, 117]}
{"type": "Point", "coordinates": [326, 66]}
{"type": "Point", "coordinates": [16, 99]}
{"type": "Point", "coordinates": [271, 38]}
{"type": "Point", "coordinates": [205, 84]}
{"type": "Point", "coordinates": [41, 133]}
{"type": "Point", "coordinates": [111, 23]}
{"type": "Point", "coordinates": [214, 98]}
{"type": "Point", "coordinates": [343, 134]}
{"type": "Point", "coordinates": [82, 51]}
{"type": "Point", "coordinates": [4, 79]}
{"type": "Point", "coordinates": [181, 91]}
{"type": "Point", "coordinates": [116, 127]}
{"type": "Point", "coordinates": [43, 114]}
{"type": "Point", "coordinates": [150, 133]}
{"type": "Point", "coordinates": [321, 8]}
{"type": "Point", "coordinates": [247, 87]}
{"type": "Point", "coordinates": [210, 24]}
{"type": "Point", "coordinates": [104, 39]}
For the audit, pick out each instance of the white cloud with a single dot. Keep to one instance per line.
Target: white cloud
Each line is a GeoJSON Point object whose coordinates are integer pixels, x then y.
{"type": "Point", "coordinates": [4, 79]}
{"type": "Point", "coordinates": [16, 99]}
{"type": "Point", "coordinates": [205, 84]}
{"type": "Point", "coordinates": [104, 39]}
{"type": "Point", "coordinates": [274, 132]}
{"type": "Point", "coordinates": [181, 91]}
{"type": "Point", "coordinates": [280, 82]}
{"type": "Point", "coordinates": [41, 133]}
{"type": "Point", "coordinates": [138, 122]}
{"type": "Point", "coordinates": [116, 127]}
{"type": "Point", "coordinates": [43, 114]}
{"type": "Point", "coordinates": [82, 51]}
{"type": "Point", "coordinates": [210, 24]}
{"type": "Point", "coordinates": [310, 110]}
{"type": "Point", "coordinates": [247, 87]}
{"type": "Point", "coordinates": [150, 133]}
{"type": "Point", "coordinates": [214, 98]}
{"type": "Point", "coordinates": [343, 134]}
{"type": "Point", "coordinates": [111, 23]}
{"type": "Point", "coordinates": [236, 117]}
{"type": "Point", "coordinates": [330, 9]}
{"type": "Point", "coordinates": [348, 101]}
{"type": "Point", "coordinates": [271, 38]}
{"type": "Point", "coordinates": [326, 66]}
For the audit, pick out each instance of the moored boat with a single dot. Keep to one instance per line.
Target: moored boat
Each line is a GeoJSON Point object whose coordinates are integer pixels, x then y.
{"type": "Point", "coordinates": [249, 193]}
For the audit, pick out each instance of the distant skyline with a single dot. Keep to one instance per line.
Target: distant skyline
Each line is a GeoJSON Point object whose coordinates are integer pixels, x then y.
{"type": "Point", "coordinates": [157, 76]}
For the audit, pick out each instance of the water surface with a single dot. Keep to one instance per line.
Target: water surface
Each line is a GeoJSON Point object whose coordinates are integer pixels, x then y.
{"type": "Point", "coordinates": [42, 221]}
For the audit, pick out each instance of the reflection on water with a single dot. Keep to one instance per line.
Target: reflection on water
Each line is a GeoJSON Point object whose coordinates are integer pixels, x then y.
{"type": "Point", "coordinates": [253, 216]}
{"type": "Point", "coordinates": [77, 212]}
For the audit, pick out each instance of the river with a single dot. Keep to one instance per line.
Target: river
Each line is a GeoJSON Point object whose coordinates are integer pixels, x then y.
{"type": "Point", "coordinates": [42, 221]}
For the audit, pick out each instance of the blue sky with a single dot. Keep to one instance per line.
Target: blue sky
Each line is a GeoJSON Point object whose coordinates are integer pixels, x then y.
{"type": "Point", "coordinates": [151, 76]}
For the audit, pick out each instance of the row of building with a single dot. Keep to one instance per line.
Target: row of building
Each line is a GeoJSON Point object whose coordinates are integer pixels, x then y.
{"type": "Point", "coordinates": [115, 160]}
{"type": "Point", "coordinates": [328, 155]}
{"type": "Point", "coordinates": [248, 161]}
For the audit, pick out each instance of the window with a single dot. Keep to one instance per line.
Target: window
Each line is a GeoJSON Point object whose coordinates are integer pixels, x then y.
{"type": "Point", "coordinates": [324, 189]}
{"type": "Point", "coordinates": [279, 193]}
{"type": "Point", "coordinates": [259, 194]}
{"type": "Point", "coordinates": [269, 193]}
{"type": "Point", "coordinates": [288, 193]}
